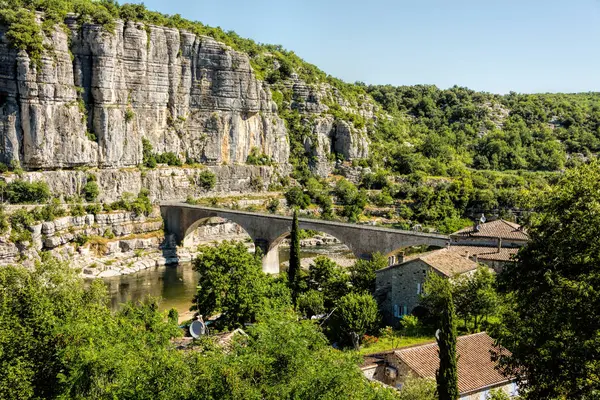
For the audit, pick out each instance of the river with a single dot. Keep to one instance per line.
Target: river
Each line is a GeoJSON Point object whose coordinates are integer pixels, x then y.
{"type": "Point", "coordinates": [176, 284]}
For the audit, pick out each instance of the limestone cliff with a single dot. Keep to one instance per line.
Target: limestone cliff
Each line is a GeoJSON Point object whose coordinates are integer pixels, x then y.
{"type": "Point", "coordinates": [97, 94]}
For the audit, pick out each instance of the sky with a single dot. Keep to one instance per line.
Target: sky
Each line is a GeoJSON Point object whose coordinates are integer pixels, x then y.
{"type": "Point", "coordinates": [526, 46]}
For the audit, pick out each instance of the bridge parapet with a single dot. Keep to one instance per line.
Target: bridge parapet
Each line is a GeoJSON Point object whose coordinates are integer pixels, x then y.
{"type": "Point", "coordinates": [267, 231]}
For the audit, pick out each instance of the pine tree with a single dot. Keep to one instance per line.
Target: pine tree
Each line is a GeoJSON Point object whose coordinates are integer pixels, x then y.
{"type": "Point", "coordinates": [294, 268]}
{"type": "Point", "coordinates": [447, 375]}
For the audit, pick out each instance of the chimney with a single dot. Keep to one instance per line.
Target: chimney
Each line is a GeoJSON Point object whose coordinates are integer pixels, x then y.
{"type": "Point", "coordinates": [400, 257]}
{"type": "Point", "coordinates": [499, 244]}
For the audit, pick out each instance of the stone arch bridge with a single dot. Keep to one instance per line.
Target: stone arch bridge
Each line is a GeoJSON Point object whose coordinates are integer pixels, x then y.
{"type": "Point", "coordinates": [268, 230]}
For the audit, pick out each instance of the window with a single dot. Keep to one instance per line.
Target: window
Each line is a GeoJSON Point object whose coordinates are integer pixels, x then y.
{"type": "Point", "coordinates": [418, 288]}
{"type": "Point", "coordinates": [396, 312]}
{"type": "Point", "coordinates": [404, 311]}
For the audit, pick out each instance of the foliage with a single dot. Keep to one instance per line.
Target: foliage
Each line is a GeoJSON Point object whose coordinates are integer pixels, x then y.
{"type": "Point", "coordinates": [272, 205]}
{"type": "Point", "coordinates": [551, 324]}
{"type": "Point", "coordinates": [231, 282]}
{"type": "Point", "coordinates": [150, 159]}
{"type": "Point", "coordinates": [296, 197]}
{"type": "Point", "coordinates": [295, 265]}
{"type": "Point", "coordinates": [355, 315]}
{"type": "Point", "coordinates": [329, 278]}
{"type": "Point", "coordinates": [311, 303]}
{"type": "Point", "coordinates": [91, 189]}
{"type": "Point", "coordinates": [498, 394]}
{"type": "Point", "coordinates": [23, 192]}
{"type": "Point", "coordinates": [141, 205]}
{"type": "Point", "coordinates": [257, 158]}
{"type": "Point", "coordinates": [207, 180]}
{"type": "Point", "coordinates": [475, 295]}
{"type": "Point", "coordinates": [418, 389]}
{"type": "Point", "coordinates": [447, 374]}
{"type": "Point", "coordinates": [24, 32]}
{"type": "Point", "coordinates": [362, 273]}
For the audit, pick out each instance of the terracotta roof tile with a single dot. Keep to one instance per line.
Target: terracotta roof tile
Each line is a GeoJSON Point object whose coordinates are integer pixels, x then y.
{"type": "Point", "coordinates": [446, 262]}
{"type": "Point", "coordinates": [487, 253]}
{"type": "Point", "coordinates": [495, 229]}
{"type": "Point", "coordinates": [476, 370]}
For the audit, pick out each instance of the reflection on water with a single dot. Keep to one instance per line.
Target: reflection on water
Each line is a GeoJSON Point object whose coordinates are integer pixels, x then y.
{"type": "Point", "coordinates": [176, 285]}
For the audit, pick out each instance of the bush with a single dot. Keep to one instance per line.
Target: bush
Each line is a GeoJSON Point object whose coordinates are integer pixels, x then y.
{"type": "Point", "coordinates": [168, 158]}
{"type": "Point", "coordinates": [257, 158]}
{"type": "Point", "coordinates": [93, 208]}
{"type": "Point", "coordinates": [296, 197]}
{"type": "Point", "coordinates": [91, 190]}
{"type": "Point", "coordinates": [22, 192]}
{"type": "Point", "coordinates": [50, 211]}
{"type": "Point", "coordinates": [129, 114]}
{"type": "Point", "coordinates": [311, 303]}
{"type": "Point", "coordinates": [20, 221]}
{"type": "Point", "coordinates": [207, 180]}
{"type": "Point", "coordinates": [356, 315]}
{"type": "Point", "coordinates": [256, 183]}
{"type": "Point", "coordinates": [78, 210]}
{"type": "Point", "coordinates": [272, 205]}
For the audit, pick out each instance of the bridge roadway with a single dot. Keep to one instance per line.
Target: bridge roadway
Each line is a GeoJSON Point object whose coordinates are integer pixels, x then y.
{"type": "Point", "coordinates": [268, 230]}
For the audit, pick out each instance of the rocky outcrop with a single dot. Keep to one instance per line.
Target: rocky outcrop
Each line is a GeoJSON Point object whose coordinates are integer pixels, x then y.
{"type": "Point", "coordinates": [168, 183]}
{"type": "Point", "coordinates": [98, 93]}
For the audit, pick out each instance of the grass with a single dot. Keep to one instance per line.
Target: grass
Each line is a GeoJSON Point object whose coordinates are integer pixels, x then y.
{"type": "Point", "coordinates": [390, 343]}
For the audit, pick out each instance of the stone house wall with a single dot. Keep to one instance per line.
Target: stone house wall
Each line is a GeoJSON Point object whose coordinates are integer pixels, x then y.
{"type": "Point", "coordinates": [485, 241]}
{"type": "Point", "coordinates": [398, 288]}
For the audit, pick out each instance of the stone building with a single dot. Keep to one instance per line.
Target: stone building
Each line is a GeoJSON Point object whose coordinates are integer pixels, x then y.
{"type": "Point", "coordinates": [399, 286]}
{"type": "Point", "coordinates": [477, 371]}
{"type": "Point", "coordinates": [493, 243]}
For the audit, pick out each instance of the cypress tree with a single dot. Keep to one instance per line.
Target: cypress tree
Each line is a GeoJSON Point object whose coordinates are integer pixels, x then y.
{"type": "Point", "coordinates": [447, 374]}
{"type": "Point", "coordinates": [294, 268]}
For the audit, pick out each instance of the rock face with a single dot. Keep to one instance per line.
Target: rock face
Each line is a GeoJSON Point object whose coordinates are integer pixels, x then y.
{"type": "Point", "coordinates": [97, 94]}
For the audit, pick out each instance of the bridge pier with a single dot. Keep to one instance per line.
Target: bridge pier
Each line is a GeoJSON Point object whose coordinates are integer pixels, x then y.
{"type": "Point", "coordinates": [270, 256]}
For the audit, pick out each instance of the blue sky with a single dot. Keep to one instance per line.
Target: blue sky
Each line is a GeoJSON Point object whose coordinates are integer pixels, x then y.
{"type": "Point", "coordinates": [491, 45]}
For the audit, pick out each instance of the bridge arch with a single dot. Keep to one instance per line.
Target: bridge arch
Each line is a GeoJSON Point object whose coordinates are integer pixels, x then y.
{"type": "Point", "coordinates": [267, 230]}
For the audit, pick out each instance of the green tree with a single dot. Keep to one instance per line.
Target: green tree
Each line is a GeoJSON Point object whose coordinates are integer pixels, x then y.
{"type": "Point", "coordinates": [329, 278]}
{"type": "Point", "coordinates": [295, 266]}
{"type": "Point", "coordinates": [296, 197]}
{"type": "Point", "coordinates": [231, 282]}
{"type": "Point", "coordinates": [311, 303]}
{"type": "Point", "coordinates": [552, 321]}
{"type": "Point", "coordinates": [354, 316]}
{"type": "Point", "coordinates": [475, 296]}
{"type": "Point", "coordinates": [418, 389]}
{"type": "Point", "coordinates": [362, 273]}
{"type": "Point", "coordinates": [447, 374]}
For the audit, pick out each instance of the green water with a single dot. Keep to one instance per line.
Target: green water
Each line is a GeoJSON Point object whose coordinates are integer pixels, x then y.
{"type": "Point", "coordinates": [176, 284]}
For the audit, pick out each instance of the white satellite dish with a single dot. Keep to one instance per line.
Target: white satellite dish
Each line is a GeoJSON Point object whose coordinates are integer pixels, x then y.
{"type": "Point", "coordinates": [437, 334]}
{"type": "Point", "coordinates": [197, 329]}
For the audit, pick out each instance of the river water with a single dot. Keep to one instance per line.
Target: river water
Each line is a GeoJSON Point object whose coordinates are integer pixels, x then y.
{"type": "Point", "coordinates": [176, 285]}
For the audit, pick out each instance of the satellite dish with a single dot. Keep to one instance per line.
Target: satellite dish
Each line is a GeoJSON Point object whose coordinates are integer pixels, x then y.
{"type": "Point", "coordinates": [482, 219]}
{"type": "Point", "coordinates": [437, 334]}
{"type": "Point", "coordinates": [197, 329]}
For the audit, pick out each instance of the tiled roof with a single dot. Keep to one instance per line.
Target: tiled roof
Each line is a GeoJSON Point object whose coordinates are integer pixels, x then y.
{"type": "Point", "coordinates": [445, 261]}
{"type": "Point", "coordinates": [486, 253]}
{"type": "Point", "coordinates": [496, 229]}
{"type": "Point", "coordinates": [476, 370]}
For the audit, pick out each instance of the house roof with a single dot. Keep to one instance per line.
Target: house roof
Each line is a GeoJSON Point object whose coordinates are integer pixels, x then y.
{"type": "Point", "coordinates": [495, 229]}
{"type": "Point", "coordinates": [445, 261]}
{"type": "Point", "coordinates": [487, 253]}
{"type": "Point", "coordinates": [476, 370]}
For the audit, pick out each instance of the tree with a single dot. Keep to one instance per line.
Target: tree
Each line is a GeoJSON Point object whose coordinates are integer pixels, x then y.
{"type": "Point", "coordinates": [418, 389]}
{"type": "Point", "coordinates": [552, 321]}
{"type": "Point", "coordinates": [362, 273]}
{"type": "Point", "coordinates": [311, 303]}
{"type": "Point", "coordinates": [328, 278]}
{"type": "Point", "coordinates": [296, 197]}
{"type": "Point", "coordinates": [295, 266]}
{"type": "Point", "coordinates": [475, 295]}
{"type": "Point", "coordinates": [231, 282]}
{"type": "Point", "coordinates": [354, 316]}
{"type": "Point", "coordinates": [447, 374]}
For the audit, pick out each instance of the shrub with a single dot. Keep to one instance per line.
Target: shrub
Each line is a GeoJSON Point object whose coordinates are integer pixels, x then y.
{"type": "Point", "coordinates": [257, 158]}
{"type": "Point", "coordinates": [20, 221]}
{"type": "Point", "coordinates": [256, 183]}
{"type": "Point", "coordinates": [50, 211]}
{"type": "Point", "coordinates": [91, 190]}
{"type": "Point", "coordinates": [3, 221]}
{"type": "Point", "coordinates": [272, 205]}
{"type": "Point", "coordinates": [296, 197]}
{"type": "Point", "coordinates": [78, 210]}
{"type": "Point", "coordinates": [93, 208]}
{"type": "Point", "coordinates": [19, 192]}
{"type": "Point", "coordinates": [207, 180]}
{"type": "Point", "coordinates": [311, 303]}
{"type": "Point", "coordinates": [168, 158]}
{"type": "Point", "coordinates": [129, 114]}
